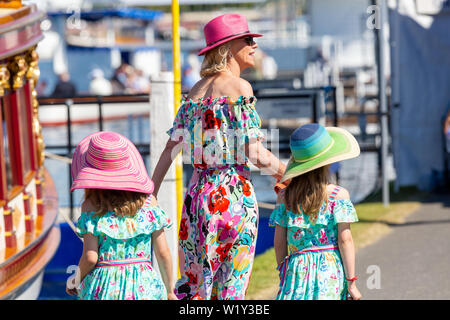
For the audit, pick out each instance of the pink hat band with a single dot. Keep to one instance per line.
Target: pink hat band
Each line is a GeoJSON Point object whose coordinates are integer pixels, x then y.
{"type": "Point", "coordinates": [227, 37]}
{"type": "Point", "coordinates": [108, 160]}
{"type": "Point", "coordinates": [225, 28]}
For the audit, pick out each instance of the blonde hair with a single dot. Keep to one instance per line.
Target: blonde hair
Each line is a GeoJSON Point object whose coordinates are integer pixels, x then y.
{"type": "Point", "coordinates": [123, 203]}
{"type": "Point", "coordinates": [308, 191]}
{"type": "Point", "coordinates": [215, 60]}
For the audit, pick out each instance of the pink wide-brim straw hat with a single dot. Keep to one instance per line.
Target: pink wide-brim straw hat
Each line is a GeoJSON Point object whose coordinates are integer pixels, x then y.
{"type": "Point", "coordinates": [108, 160]}
{"type": "Point", "coordinates": [225, 28]}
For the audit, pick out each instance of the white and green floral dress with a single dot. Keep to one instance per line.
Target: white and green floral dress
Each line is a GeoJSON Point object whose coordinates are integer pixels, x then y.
{"type": "Point", "coordinates": [313, 269]}
{"type": "Point", "coordinates": [123, 270]}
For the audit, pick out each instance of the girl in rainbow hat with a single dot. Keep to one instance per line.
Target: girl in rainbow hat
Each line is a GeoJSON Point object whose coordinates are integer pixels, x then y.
{"type": "Point", "coordinates": [313, 242]}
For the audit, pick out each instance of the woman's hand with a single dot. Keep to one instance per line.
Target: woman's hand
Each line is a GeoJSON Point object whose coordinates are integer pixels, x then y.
{"type": "Point", "coordinates": [353, 292]}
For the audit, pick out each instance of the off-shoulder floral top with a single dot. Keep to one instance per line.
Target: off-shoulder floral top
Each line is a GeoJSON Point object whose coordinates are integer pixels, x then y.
{"type": "Point", "coordinates": [214, 131]}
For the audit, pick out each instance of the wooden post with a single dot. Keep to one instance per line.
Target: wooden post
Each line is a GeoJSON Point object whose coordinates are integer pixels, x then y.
{"type": "Point", "coordinates": [161, 119]}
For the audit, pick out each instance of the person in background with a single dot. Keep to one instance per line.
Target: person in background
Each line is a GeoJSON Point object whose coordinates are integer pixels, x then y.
{"type": "Point", "coordinates": [119, 223]}
{"type": "Point", "coordinates": [64, 88]}
{"type": "Point", "coordinates": [99, 86]}
{"type": "Point", "coordinates": [269, 67]}
{"type": "Point", "coordinates": [189, 79]}
{"type": "Point", "coordinates": [119, 79]}
{"type": "Point", "coordinates": [139, 82]}
{"type": "Point", "coordinates": [41, 87]}
{"type": "Point", "coordinates": [447, 131]}
{"type": "Point", "coordinates": [313, 243]}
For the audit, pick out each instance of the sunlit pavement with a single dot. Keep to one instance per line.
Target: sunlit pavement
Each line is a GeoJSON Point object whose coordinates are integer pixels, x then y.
{"type": "Point", "coordinates": [412, 261]}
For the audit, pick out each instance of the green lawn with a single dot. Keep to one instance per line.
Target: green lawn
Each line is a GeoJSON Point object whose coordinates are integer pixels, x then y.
{"type": "Point", "coordinates": [374, 221]}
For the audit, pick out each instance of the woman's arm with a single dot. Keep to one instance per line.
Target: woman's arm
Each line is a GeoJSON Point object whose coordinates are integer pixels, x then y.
{"type": "Point", "coordinates": [164, 258]}
{"type": "Point", "coordinates": [165, 160]}
{"type": "Point", "coordinates": [264, 159]}
{"type": "Point", "coordinates": [261, 157]}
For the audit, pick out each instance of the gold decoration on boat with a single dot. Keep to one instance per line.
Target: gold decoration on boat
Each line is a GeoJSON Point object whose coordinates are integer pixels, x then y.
{"type": "Point", "coordinates": [16, 217]}
{"type": "Point", "coordinates": [4, 78]}
{"type": "Point", "coordinates": [17, 67]}
{"type": "Point", "coordinates": [10, 4]}
{"type": "Point", "coordinates": [33, 74]}
{"type": "Point", "coordinates": [30, 235]}
{"type": "Point", "coordinates": [33, 71]}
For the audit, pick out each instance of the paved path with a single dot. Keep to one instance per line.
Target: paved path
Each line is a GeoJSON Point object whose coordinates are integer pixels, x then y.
{"type": "Point", "coordinates": [413, 261]}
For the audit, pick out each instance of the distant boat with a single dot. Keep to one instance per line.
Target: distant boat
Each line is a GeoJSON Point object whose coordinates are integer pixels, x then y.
{"type": "Point", "coordinates": [102, 38]}
{"type": "Point", "coordinates": [29, 236]}
{"type": "Point", "coordinates": [53, 111]}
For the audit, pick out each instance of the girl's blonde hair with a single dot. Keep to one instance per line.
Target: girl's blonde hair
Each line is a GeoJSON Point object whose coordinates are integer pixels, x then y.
{"type": "Point", "coordinates": [308, 191]}
{"type": "Point", "coordinates": [123, 203]}
{"type": "Point", "coordinates": [215, 60]}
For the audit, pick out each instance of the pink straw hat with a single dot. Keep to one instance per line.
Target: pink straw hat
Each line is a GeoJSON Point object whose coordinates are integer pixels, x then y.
{"type": "Point", "coordinates": [108, 160]}
{"type": "Point", "coordinates": [225, 28]}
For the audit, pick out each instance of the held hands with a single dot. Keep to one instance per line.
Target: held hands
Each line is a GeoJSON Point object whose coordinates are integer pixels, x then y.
{"type": "Point", "coordinates": [279, 186]}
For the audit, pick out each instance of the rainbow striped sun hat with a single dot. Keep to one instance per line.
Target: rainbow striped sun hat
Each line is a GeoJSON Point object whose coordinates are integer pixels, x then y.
{"type": "Point", "coordinates": [314, 146]}
{"type": "Point", "coordinates": [108, 160]}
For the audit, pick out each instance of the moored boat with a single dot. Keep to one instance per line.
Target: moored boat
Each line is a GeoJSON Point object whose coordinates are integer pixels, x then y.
{"type": "Point", "coordinates": [29, 236]}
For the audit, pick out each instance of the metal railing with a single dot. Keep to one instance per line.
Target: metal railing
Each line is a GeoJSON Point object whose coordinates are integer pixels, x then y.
{"type": "Point", "coordinates": [313, 96]}
{"type": "Point", "coordinates": [68, 146]}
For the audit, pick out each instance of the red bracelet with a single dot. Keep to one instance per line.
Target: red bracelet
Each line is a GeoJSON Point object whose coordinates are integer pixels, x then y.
{"type": "Point", "coordinates": [352, 279]}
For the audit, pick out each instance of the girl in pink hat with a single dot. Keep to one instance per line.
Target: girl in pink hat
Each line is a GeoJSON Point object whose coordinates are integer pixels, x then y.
{"type": "Point", "coordinates": [119, 223]}
{"type": "Point", "coordinates": [220, 128]}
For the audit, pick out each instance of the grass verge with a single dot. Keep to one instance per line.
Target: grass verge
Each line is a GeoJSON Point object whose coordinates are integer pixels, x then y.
{"type": "Point", "coordinates": [374, 222]}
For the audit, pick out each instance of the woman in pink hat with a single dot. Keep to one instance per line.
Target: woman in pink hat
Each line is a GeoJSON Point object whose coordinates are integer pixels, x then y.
{"type": "Point", "coordinates": [220, 130]}
{"type": "Point", "coordinates": [118, 224]}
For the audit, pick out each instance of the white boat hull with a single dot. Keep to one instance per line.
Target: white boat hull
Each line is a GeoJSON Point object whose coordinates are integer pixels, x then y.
{"type": "Point", "coordinates": [32, 289]}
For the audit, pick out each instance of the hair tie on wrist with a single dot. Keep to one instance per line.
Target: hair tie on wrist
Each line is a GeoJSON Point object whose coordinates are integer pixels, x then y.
{"type": "Point", "coordinates": [352, 279]}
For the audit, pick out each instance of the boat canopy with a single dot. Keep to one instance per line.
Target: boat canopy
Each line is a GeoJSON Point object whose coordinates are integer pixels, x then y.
{"type": "Point", "coordinates": [98, 14]}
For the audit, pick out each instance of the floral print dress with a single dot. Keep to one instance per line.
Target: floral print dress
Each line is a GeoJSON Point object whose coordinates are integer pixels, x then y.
{"type": "Point", "coordinates": [219, 220]}
{"type": "Point", "coordinates": [313, 269]}
{"type": "Point", "coordinates": [123, 270]}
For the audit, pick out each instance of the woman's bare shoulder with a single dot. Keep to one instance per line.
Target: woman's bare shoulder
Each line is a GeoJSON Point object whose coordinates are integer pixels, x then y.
{"type": "Point", "coordinates": [234, 87]}
{"type": "Point", "coordinates": [221, 85]}
{"type": "Point", "coordinates": [198, 90]}
{"type": "Point", "coordinates": [245, 88]}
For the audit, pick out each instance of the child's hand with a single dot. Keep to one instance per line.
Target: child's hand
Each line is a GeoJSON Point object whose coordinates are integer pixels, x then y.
{"type": "Point", "coordinates": [353, 292]}
{"type": "Point", "coordinates": [71, 288]}
{"type": "Point", "coordinates": [171, 296]}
